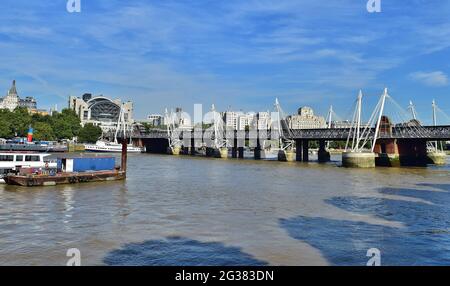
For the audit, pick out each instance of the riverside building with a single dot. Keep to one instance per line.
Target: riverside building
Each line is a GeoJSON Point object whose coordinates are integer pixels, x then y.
{"type": "Point", "coordinates": [305, 119]}
{"type": "Point", "coordinates": [101, 111]}
{"type": "Point", "coordinates": [12, 100]}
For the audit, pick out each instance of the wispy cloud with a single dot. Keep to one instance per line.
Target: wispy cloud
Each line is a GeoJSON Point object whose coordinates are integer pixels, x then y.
{"type": "Point", "coordinates": [435, 78]}
{"type": "Point", "coordinates": [239, 53]}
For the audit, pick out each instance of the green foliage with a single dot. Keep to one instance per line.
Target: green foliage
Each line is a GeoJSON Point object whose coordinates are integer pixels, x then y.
{"type": "Point", "coordinates": [89, 133]}
{"type": "Point", "coordinates": [313, 144]}
{"type": "Point", "coordinates": [21, 121]}
{"type": "Point", "coordinates": [147, 126]}
{"type": "Point", "coordinates": [337, 144]}
{"type": "Point", "coordinates": [64, 125]}
{"type": "Point", "coordinates": [6, 128]}
{"type": "Point", "coordinates": [43, 132]}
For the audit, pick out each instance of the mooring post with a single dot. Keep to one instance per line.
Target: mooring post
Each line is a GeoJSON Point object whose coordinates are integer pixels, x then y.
{"type": "Point", "coordinates": [123, 163]}
{"type": "Point", "coordinates": [323, 154]}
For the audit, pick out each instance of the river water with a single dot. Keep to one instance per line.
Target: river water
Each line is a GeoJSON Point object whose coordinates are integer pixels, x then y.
{"type": "Point", "coordinates": [197, 211]}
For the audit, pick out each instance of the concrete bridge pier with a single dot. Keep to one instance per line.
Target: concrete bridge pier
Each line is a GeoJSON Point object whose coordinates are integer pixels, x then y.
{"type": "Point", "coordinates": [217, 152]}
{"type": "Point", "coordinates": [192, 148]}
{"type": "Point", "coordinates": [286, 156]}
{"type": "Point", "coordinates": [234, 149]}
{"type": "Point", "coordinates": [358, 159]}
{"type": "Point", "coordinates": [234, 152]}
{"type": "Point", "coordinates": [257, 150]}
{"type": "Point", "coordinates": [221, 153]}
{"type": "Point", "coordinates": [323, 154]}
{"type": "Point", "coordinates": [174, 150]}
{"type": "Point", "coordinates": [209, 152]}
{"type": "Point", "coordinates": [241, 152]}
{"type": "Point", "coordinates": [185, 150]}
{"type": "Point", "coordinates": [401, 152]}
{"type": "Point", "coordinates": [437, 158]}
{"type": "Point", "coordinates": [237, 150]}
{"type": "Point", "coordinates": [298, 150]}
{"type": "Point", "coordinates": [305, 151]}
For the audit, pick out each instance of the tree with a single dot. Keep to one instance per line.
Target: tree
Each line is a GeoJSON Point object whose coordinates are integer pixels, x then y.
{"type": "Point", "coordinates": [43, 131]}
{"type": "Point", "coordinates": [20, 120]}
{"type": "Point", "coordinates": [66, 124]}
{"type": "Point", "coordinates": [147, 126]}
{"type": "Point", "coordinates": [89, 133]}
{"type": "Point", "coordinates": [5, 126]}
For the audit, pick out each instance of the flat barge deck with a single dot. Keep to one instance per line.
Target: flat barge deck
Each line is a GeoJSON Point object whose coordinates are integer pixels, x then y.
{"type": "Point", "coordinates": [64, 178]}
{"type": "Point", "coordinates": [72, 171]}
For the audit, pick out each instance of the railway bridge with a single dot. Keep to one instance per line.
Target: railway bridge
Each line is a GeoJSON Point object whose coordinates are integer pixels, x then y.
{"type": "Point", "coordinates": [158, 140]}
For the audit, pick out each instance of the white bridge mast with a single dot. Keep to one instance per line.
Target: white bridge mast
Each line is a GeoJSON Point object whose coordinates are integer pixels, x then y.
{"type": "Point", "coordinates": [434, 106]}
{"type": "Point", "coordinates": [284, 141]}
{"type": "Point", "coordinates": [169, 120]}
{"type": "Point", "coordinates": [121, 124]}
{"type": "Point", "coordinates": [360, 138]}
{"type": "Point", "coordinates": [219, 140]}
{"type": "Point", "coordinates": [377, 129]}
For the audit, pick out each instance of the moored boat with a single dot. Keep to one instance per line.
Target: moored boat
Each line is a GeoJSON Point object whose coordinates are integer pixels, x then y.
{"type": "Point", "coordinates": [270, 153]}
{"type": "Point", "coordinates": [109, 147]}
{"type": "Point", "coordinates": [13, 161]}
{"type": "Point", "coordinates": [35, 180]}
{"type": "Point", "coordinates": [115, 147]}
{"type": "Point", "coordinates": [72, 171]}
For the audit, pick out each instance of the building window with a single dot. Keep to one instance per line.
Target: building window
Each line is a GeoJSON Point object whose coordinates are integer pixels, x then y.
{"type": "Point", "coordinates": [7, 158]}
{"type": "Point", "coordinates": [85, 115]}
{"type": "Point", "coordinates": [30, 158]}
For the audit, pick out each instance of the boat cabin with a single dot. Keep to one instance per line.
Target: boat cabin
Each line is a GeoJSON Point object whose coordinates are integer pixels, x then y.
{"type": "Point", "coordinates": [85, 164]}
{"type": "Point", "coordinates": [12, 161]}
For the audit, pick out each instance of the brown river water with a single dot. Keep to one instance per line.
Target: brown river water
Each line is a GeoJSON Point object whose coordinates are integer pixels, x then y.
{"type": "Point", "coordinates": [197, 211]}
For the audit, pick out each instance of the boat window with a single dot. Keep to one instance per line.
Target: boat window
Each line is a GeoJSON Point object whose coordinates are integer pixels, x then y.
{"type": "Point", "coordinates": [31, 158]}
{"type": "Point", "coordinates": [19, 158]}
{"type": "Point", "coordinates": [8, 158]}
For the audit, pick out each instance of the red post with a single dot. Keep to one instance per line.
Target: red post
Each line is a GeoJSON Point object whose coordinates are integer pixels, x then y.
{"type": "Point", "coordinates": [124, 156]}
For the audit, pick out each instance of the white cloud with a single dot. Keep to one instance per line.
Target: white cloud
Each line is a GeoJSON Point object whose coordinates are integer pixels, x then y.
{"type": "Point", "coordinates": [435, 78]}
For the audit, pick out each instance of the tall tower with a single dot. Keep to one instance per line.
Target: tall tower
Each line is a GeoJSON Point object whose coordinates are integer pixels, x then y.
{"type": "Point", "coordinates": [13, 91]}
{"type": "Point", "coordinates": [11, 100]}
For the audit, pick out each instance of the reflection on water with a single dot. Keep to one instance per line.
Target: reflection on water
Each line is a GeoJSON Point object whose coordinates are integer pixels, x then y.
{"type": "Point", "coordinates": [197, 211]}
{"type": "Point", "coordinates": [424, 238]}
{"type": "Point", "coordinates": [179, 251]}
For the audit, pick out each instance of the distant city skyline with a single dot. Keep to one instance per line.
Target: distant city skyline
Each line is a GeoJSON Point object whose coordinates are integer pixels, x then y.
{"type": "Point", "coordinates": [241, 54]}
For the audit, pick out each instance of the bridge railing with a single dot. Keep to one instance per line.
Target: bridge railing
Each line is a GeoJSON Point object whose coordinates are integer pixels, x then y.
{"type": "Point", "coordinates": [330, 134]}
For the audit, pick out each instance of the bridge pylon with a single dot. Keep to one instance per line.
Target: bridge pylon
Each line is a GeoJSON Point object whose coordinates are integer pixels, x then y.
{"type": "Point", "coordinates": [286, 152]}
{"type": "Point", "coordinates": [172, 135]}
{"type": "Point", "coordinates": [219, 148]}
{"type": "Point", "coordinates": [435, 152]}
{"type": "Point", "coordinates": [357, 155]}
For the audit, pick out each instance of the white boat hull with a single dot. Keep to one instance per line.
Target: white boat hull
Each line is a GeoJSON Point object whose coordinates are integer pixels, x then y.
{"type": "Point", "coordinates": [270, 154]}
{"type": "Point", "coordinates": [111, 148]}
{"type": "Point", "coordinates": [13, 161]}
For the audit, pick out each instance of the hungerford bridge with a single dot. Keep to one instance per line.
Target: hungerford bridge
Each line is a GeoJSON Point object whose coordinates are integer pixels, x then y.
{"type": "Point", "coordinates": [378, 142]}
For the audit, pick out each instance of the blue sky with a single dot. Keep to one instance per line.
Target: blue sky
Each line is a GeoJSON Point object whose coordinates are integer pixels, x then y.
{"type": "Point", "coordinates": [234, 53]}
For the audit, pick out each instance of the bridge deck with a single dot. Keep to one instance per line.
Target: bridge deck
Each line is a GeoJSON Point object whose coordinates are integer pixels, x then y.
{"type": "Point", "coordinates": [337, 134]}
